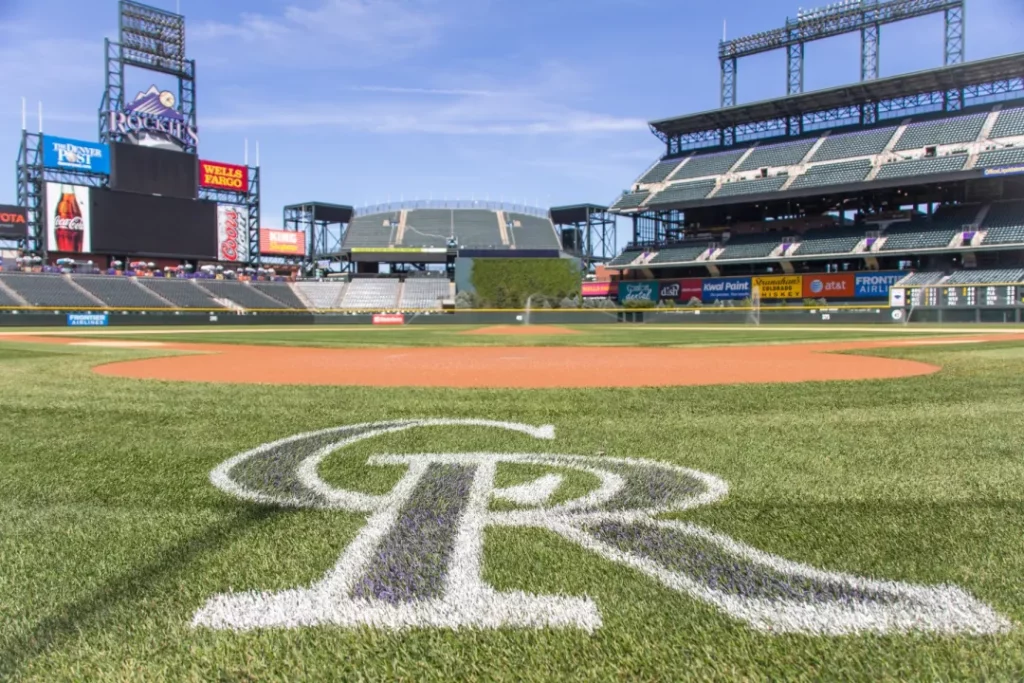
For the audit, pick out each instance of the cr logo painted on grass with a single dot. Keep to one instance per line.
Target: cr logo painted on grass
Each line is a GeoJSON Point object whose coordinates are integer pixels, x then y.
{"type": "Point", "coordinates": [417, 562]}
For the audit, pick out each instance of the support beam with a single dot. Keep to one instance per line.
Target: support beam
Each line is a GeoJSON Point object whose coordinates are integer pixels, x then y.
{"type": "Point", "coordinates": [869, 40]}
{"type": "Point", "coordinates": [728, 82]}
{"type": "Point", "coordinates": [955, 35]}
{"type": "Point", "coordinates": [795, 69]}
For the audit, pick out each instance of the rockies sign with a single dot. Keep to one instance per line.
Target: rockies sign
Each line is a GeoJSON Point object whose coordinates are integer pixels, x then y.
{"type": "Point", "coordinates": [418, 560]}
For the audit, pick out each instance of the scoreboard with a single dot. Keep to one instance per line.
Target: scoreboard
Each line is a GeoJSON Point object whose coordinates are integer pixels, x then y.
{"type": "Point", "coordinates": [960, 296]}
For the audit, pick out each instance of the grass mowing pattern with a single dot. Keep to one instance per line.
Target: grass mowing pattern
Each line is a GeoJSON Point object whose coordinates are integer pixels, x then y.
{"type": "Point", "coordinates": [111, 534]}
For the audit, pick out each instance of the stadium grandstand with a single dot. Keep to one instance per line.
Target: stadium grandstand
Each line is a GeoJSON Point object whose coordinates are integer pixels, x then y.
{"type": "Point", "coordinates": [915, 172]}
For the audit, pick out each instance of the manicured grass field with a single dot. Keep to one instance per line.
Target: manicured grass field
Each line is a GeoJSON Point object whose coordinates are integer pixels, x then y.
{"type": "Point", "coordinates": [112, 535]}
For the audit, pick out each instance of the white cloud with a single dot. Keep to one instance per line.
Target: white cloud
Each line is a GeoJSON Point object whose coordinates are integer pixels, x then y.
{"type": "Point", "coordinates": [335, 33]}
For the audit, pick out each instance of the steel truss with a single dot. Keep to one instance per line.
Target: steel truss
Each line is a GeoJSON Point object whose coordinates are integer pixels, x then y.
{"type": "Point", "coordinates": [590, 233]}
{"type": "Point", "coordinates": [865, 16]}
{"type": "Point", "coordinates": [866, 113]}
{"type": "Point", "coordinates": [31, 178]}
{"type": "Point", "coordinates": [323, 237]}
{"type": "Point", "coordinates": [658, 227]}
{"type": "Point", "coordinates": [153, 40]}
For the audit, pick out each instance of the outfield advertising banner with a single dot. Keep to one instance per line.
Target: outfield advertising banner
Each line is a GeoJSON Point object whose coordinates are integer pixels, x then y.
{"type": "Point", "coordinates": [840, 286]}
{"type": "Point", "coordinates": [638, 291]}
{"type": "Point", "coordinates": [680, 291]}
{"type": "Point", "coordinates": [76, 155]}
{"type": "Point", "coordinates": [68, 219]}
{"type": "Point", "coordinates": [388, 319]}
{"type": "Point", "coordinates": [232, 233]}
{"type": "Point", "coordinates": [282, 242]}
{"type": "Point", "coordinates": [999, 171]}
{"type": "Point", "coordinates": [721, 289]}
{"type": "Point", "coordinates": [220, 176]}
{"type": "Point", "coordinates": [13, 222]}
{"type": "Point", "coordinates": [87, 320]}
{"type": "Point", "coordinates": [598, 289]}
{"type": "Point", "coordinates": [876, 285]}
{"type": "Point", "coordinates": [779, 286]}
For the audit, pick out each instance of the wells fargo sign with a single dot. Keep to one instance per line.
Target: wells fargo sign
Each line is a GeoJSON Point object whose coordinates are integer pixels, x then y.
{"type": "Point", "coordinates": [220, 176]}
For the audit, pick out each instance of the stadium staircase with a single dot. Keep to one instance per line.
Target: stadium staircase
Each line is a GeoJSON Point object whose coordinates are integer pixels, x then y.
{"type": "Point", "coordinates": [9, 297]}
{"type": "Point", "coordinates": [503, 228]}
{"type": "Point", "coordinates": [136, 283]}
{"type": "Point", "coordinates": [403, 217]}
{"type": "Point", "coordinates": [84, 291]}
{"type": "Point", "coordinates": [301, 295]}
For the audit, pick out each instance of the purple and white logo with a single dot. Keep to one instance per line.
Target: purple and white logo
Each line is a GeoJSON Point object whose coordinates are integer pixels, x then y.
{"type": "Point", "coordinates": [152, 119]}
{"type": "Point", "coordinates": [418, 560]}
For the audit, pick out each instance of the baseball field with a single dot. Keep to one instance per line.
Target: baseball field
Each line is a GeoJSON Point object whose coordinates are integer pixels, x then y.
{"type": "Point", "coordinates": [525, 503]}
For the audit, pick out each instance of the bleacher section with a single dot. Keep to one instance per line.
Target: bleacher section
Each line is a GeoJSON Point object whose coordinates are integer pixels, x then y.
{"type": "Point", "coordinates": [976, 277]}
{"type": "Point", "coordinates": [375, 293]}
{"type": "Point", "coordinates": [430, 228]}
{"type": "Point", "coordinates": [119, 292]}
{"type": "Point", "coordinates": [280, 291]}
{"type": "Point", "coordinates": [942, 132]}
{"type": "Point", "coordinates": [1004, 223]}
{"type": "Point", "coordinates": [659, 171]}
{"type": "Point", "coordinates": [424, 293]}
{"type": "Point", "coordinates": [917, 235]}
{"type": "Point", "coordinates": [683, 192]}
{"type": "Point", "coordinates": [839, 173]}
{"type": "Point", "coordinates": [372, 230]}
{"type": "Point", "coordinates": [625, 258]}
{"type": "Point", "coordinates": [924, 278]}
{"type": "Point", "coordinates": [240, 293]}
{"type": "Point", "coordinates": [7, 300]}
{"type": "Point", "coordinates": [322, 295]}
{"type": "Point", "coordinates": [905, 169]}
{"type": "Point", "coordinates": [476, 229]}
{"type": "Point", "coordinates": [182, 293]}
{"type": "Point", "coordinates": [531, 232]}
{"type": "Point", "coordinates": [830, 241]}
{"type": "Point", "coordinates": [707, 165]}
{"type": "Point", "coordinates": [755, 186]}
{"type": "Point", "coordinates": [47, 290]}
{"type": "Point", "coordinates": [787, 154]}
{"type": "Point", "coordinates": [682, 253]}
{"type": "Point", "coordinates": [1001, 157]}
{"type": "Point", "coordinates": [750, 246]}
{"type": "Point", "coordinates": [1009, 124]}
{"type": "Point", "coordinates": [851, 145]}
{"type": "Point", "coordinates": [631, 200]}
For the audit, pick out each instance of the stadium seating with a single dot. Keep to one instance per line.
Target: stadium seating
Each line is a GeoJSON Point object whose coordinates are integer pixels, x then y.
{"type": "Point", "coordinates": [372, 293]}
{"type": "Point", "coordinates": [852, 145]}
{"type": "Point", "coordinates": [680, 253]}
{"type": "Point", "coordinates": [750, 246]}
{"type": "Point", "coordinates": [833, 241]}
{"type": "Point", "coordinates": [240, 293]}
{"type": "Point", "coordinates": [659, 171]}
{"type": "Point", "coordinates": [631, 200]}
{"type": "Point", "coordinates": [475, 228]}
{"type": "Point", "coordinates": [47, 290]}
{"type": "Point", "coordinates": [1001, 157]}
{"type": "Point", "coordinates": [180, 292]}
{"type": "Point", "coordinates": [371, 230]}
{"type": "Point", "coordinates": [1004, 223]}
{"type": "Point", "coordinates": [7, 300]}
{"type": "Point", "coordinates": [943, 132]}
{"type": "Point", "coordinates": [531, 232]}
{"type": "Point", "coordinates": [904, 169]}
{"type": "Point", "coordinates": [322, 295]}
{"type": "Point", "coordinates": [281, 292]}
{"type": "Point", "coordinates": [924, 278]}
{"type": "Point", "coordinates": [626, 257]}
{"type": "Point", "coordinates": [683, 192]}
{"type": "Point", "coordinates": [424, 293]}
{"type": "Point", "coordinates": [119, 292]}
{"type": "Point", "coordinates": [786, 154]}
{"type": "Point", "coordinates": [755, 186]}
{"type": "Point", "coordinates": [924, 234]}
{"type": "Point", "coordinates": [707, 165]}
{"type": "Point", "coordinates": [1010, 123]}
{"type": "Point", "coordinates": [973, 277]}
{"type": "Point", "coordinates": [432, 228]}
{"type": "Point", "coordinates": [839, 173]}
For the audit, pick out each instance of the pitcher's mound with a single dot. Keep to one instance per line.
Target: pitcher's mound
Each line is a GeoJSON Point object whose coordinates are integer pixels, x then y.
{"type": "Point", "coordinates": [519, 330]}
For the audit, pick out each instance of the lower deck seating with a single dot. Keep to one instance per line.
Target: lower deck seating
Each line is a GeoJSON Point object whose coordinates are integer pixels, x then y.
{"type": "Point", "coordinates": [241, 293]}
{"type": "Point", "coordinates": [119, 292]}
{"type": "Point", "coordinates": [751, 246]}
{"type": "Point", "coordinates": [322, 295]}
{"type": "Point", "coordinates": [181, 292]}
{"type": "Point", "coordinates": [681, 253]}
{"type": "Point", "coordinates": [280, 291]}
{"type": "Point", "coordinates": [372, 294]}
{"type": "Point", "coordinates": [982, 277]}
{"type": "Point", "coordinates": [1005, 223]}
{"type": "Point", "coordinates": [47, 290]}
{"type": "Point", "coordinates": [424, 293]}
{"type": "Point", "coordinates": [531, 232]}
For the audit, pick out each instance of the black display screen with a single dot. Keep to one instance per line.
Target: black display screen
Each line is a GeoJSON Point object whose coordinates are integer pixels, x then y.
{"type": "Point", "coordinates": [148, 170]}
{"type": "Point", "coordinates": [129, 224]}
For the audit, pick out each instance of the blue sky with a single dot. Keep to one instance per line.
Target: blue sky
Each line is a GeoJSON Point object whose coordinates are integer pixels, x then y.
{"type": "Point", "coordinates": [362, 101]}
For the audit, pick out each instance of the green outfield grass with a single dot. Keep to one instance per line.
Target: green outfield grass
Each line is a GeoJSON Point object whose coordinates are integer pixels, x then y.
{"type": "Point", "coordinates": [112, 535]}
{"type": "Point", "coordinates": [584, 335]}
